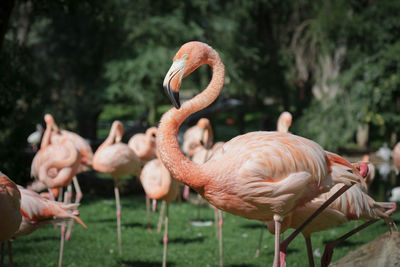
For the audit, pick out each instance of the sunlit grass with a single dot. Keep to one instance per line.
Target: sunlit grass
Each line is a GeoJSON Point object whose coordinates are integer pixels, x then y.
{"type": "Point", "coordinates": [188, 245]}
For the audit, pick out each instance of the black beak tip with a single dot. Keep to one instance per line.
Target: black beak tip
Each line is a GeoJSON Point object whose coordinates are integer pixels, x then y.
{"type": "Point", "coordinates": [176, 101]}
{"type": "Point", "coordinates": [173, 97]}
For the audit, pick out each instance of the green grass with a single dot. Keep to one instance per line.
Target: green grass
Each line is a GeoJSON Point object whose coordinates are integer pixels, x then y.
{"type": "Point", "coordinates": [188, 245]}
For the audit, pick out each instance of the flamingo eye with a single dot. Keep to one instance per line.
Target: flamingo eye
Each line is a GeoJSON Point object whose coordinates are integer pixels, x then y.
{"type": "Point", "coordinates": [184, 56]}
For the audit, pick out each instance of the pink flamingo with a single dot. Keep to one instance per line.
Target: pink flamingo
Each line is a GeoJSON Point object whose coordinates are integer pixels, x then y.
{"type": "Point", "coordinates": [86, 153]}
{"type": "Point", "coordinates": [117, 159]}
{"type": "Point", "coordinates": [10, 219]}
{"type": "Point", "coordinates": [284, 122]}
{"type": "Point", "coordinates": [55, 164]}
{"type": "Point", "coordinates": [38, 211]}
{"type": "Point", "coordinates": [354, 204]}
{"type": "Point", "coordinates": [259, 175]}
{"type": "Point", "coordinates": [144, 145]}
{"type": "Point", "coordinates": [158, 184]}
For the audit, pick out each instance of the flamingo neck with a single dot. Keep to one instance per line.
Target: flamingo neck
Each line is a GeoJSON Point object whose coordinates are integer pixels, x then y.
{"type": "Point", "coordinates": [149, 142]}
{"type": "Point", "coordinates": [46, 136]}
{"type": "Point", "coordinates": [110, 138]}
{"type": "Point", "coordinates": [181, 168]}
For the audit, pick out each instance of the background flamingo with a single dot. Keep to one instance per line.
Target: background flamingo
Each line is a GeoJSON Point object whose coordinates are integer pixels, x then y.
{"type": "Point", "coordinates": [86, 153]}
{"type": "Point", "coordinates": [144, 145]}
{"type": "Point", "coordinates": [55, 164]}
{"type": "Point", "coordinates": [10, 219]}
{"type": "Point", "coordinates": [117, 159]}
{"type": "Point", "coordinates": [354, 204]}
{"type": "Point", "coordinates": [158, 184]}
{"type": "Point", "coordinates": [259, 175]}
{"type": "Point", "coordinates": [38, 211]}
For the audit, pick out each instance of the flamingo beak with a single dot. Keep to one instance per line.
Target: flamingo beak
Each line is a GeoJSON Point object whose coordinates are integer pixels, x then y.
{"type": "Point", "coordinates": [173, 79]}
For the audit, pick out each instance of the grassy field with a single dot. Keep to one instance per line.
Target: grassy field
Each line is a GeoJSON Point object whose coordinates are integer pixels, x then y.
{"type": "Point", "coordinates": [188, 245]}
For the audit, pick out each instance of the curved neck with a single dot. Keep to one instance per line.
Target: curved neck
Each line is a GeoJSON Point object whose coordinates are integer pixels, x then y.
{"type": "Point", "coordinates": [150, 134]}
{"type": "Point", "coordinates": [181, 168]}
{"type": "Point", "coordinates": [114, 132]}
{"type": "Point", "coordinates": [46, 136]}
{"type": "Point", "coordinates": [208, 137]}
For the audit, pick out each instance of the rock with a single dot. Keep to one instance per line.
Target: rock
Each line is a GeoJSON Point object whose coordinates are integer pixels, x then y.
{"type": "Point", "coordinates": [382, 251]}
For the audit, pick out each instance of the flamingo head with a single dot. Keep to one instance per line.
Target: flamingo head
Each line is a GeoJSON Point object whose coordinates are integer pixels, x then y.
{"type": "Point", "coordinates": [189, 57]}
{"type": "Point", "coordinates": [284, 122]}
{"type": "Point", "coordinates": [118, 129]}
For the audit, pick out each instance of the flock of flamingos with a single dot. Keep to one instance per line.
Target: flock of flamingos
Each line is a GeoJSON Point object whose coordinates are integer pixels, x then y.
{"type": "Point", "coordinates": [275, 177]}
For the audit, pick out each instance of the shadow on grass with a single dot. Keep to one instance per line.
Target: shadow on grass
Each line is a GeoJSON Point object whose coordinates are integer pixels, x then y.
{"type": "Point", "coordinates": [346, 243]}
{"type": "Point", "coordinates": [135, 224]}
{"type": "Point", "coordinates": [253, 226]}
{"type": "Point", "coordinates": [43, 239]}
{"type": "Point", "coordinates": [103, 220]}
{"type": "Point", "coordinates": [240, 265]}
{"type": "Point", "coordinates": [144, 263]}
{"type": "Point", "coordinates": [182, 240]}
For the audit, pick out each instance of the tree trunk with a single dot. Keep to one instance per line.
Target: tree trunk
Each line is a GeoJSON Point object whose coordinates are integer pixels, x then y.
{"type": "Point", "coordinates": [24, 21]}
{"type": "Point", "coordinates": [6, 7]}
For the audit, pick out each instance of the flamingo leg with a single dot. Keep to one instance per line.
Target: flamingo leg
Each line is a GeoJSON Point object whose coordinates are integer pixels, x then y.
{"type": "Point", "coordinates": [260, 241]}
{"type": "Point", "coordinates": [328, 252]}
{"type": "Point", "coordinates": [220, 222]}
{"type": "Point", "coordinates": [10, 253]}
{"type": "Point", "coordinates": [60, 257]}
{"type": "Point", "coordinates": [286, 242]}
{"type": "Point", "coordinates": [118, 207]}
{"type": "Point", "coordinates": [154, 205]}
{"type": "Point", "coordinates": [51, 195]}
{"type": "Point", "coordinates": [148, 214]}
{"type": "Point", "coordinates": [70, 223]}
{"type": "Point", "coordinates": [186, 191]}
{"type": "Point", "coordinates": [216, 221]}
{"type": "Point", "coordinates": [2, 254]}
{"type": "Point", "coordinates": [78, 190]}
{"type": "Point", "coordinates": [161, 216]}
{"type": "Point", "coordinates": [60, 194]}
{"type": "Point", "coordinates": [165, 239]}
{"type": "Point", "coordinates": [309, 251]}
{"type": "Point", "coordinates": [278, 221]}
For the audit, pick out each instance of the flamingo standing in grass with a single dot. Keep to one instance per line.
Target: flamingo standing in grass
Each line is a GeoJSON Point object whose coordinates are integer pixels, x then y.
{"type": "Point", "coordinates": [86, 153]}
{"type": "Point", "coordinates": [354, 204]}
{"type": "Point", "coordinates": [10, 219]}
{"type": "Point", "coordinates": [144, 145]}
{"type": "Point", "coordinates": [259, 175]}
{"type": "Point", "coordinates": [117, 159]}
{"type": "Point", "coordinates": [56, 163]}
{"type": "Point", "coordinates": [38, 211]}
{"type": "Point", "coordinates": [158, 184]}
